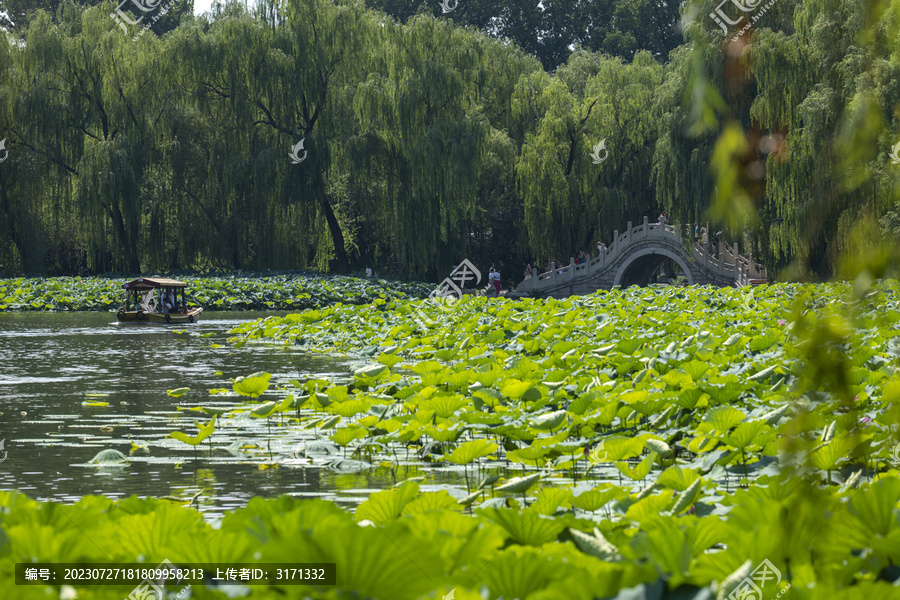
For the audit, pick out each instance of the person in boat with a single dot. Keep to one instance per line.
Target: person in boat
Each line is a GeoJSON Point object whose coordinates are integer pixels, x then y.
{"type": "Point", "coordinates": [168, 300]}
{"type": "Point", "coordinates": [151, 306]}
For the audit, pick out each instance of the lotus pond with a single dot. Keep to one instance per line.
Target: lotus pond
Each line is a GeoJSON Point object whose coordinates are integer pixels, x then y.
{"type": "Point", "coordinates": [645, 443]}
{"type": "Point", "coordinates": [234, 292]}
{"type": "Point", "coordinates": [73, 385]}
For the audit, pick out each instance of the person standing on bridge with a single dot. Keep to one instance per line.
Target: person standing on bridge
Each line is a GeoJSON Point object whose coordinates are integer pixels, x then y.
{"type": "Point", "coordinates": [664, 218]}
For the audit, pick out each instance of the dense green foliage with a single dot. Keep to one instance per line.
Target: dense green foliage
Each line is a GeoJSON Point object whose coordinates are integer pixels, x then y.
{"type": "Point", "coordinates": [16, 15]}
{"type": "Point", "coordinates": [421, 546]}
{"type": "Point", "coordinates": [550, 29]}
{"type": "Point", "coordinates": [719, 377]}
{"type": "Point", "coordinates": [426, 142]}
{"type": "Point", "coordinates": [666, 438]}
{"type": "Point", "coordinates": [278, 292]}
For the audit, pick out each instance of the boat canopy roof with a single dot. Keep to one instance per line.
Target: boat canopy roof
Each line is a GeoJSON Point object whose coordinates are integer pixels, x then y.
{"type": "Point", "coordinates": [146, 283]}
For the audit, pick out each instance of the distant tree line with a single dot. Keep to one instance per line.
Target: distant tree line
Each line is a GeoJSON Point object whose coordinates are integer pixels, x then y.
{"type": "Point", "coordinates": [428, 138]}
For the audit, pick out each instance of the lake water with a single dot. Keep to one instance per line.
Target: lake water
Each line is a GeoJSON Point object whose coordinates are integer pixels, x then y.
{"type": "Point", "coordinates": [51, 364]}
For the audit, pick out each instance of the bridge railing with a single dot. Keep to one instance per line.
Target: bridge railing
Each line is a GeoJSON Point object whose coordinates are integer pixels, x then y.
{"type": "Point", "coordinates": [729, 264]}
{"type": "Point", "coordinates": [730, 261]}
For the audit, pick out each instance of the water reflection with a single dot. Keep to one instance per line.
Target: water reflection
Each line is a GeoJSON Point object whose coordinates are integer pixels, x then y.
{"type": "Point", "coordinates": [54, 365]}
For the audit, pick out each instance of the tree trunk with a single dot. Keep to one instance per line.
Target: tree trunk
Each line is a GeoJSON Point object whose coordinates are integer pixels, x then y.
{"type": "Point", "coordinates": [26, 259]}
{"type": "Point", "coordinates": [337, 237]}
{"type": "Point", "coordinates": [129, 250]}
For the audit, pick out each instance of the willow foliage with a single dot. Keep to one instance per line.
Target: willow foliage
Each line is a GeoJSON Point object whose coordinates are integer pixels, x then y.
{"type": "Point", "coordinates": [425, 142]}
{"type": "Point", "coordinates": [570, 200]}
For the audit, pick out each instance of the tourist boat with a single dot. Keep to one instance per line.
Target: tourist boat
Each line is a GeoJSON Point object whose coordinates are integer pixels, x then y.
{"type": "Point", "coordinates": [149, 300]}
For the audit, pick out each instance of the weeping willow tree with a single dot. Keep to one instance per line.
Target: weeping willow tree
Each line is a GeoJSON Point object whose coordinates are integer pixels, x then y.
{"type": "Point", "coordinates": [22, 243]}
{"type": "Point", "coordinates": [789, 126]}
{"type": "Point", "coordinates": [276, 78]}
{"type": "Point", "coordinates": [88, 106]}
{"type": "Point", "coordinates": [680, 172]}
{"type": "Point", "coordinates": [425, 143]}
{"type": "Point", "coordinates": [572, 199]}
{"type": "Point", "coordinates": [421, 128]}
{"type": "Point", "coordinates": [834, 101]}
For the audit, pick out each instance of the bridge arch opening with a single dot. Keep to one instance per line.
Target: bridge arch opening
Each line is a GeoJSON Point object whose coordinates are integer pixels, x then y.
{"type": "Point", "coordinates": [640, 267]}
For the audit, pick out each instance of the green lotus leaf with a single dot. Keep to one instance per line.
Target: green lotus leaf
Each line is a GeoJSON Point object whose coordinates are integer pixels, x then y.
{"type": "Point", "coordinates": [595, 545]}
{"type": "Point", "coordinates": [518, 485]}
{"type": "Point", "coordinates": [204, 432]}
{"type": "Point", "coordinates": [641, 470]}
{"type": "Point", "coordinates": [265, 410]}
{"type": "Point", "coordinates": [745, 434]}
{"type": "Point", "coordinates": [722, 418]}
{"type": "Point", "coordinates": [108, 457]}
{"type": "Point", "coordinates": [549, 500]}
{"type": "Point", "coordinates": [349, 408]}
{"type": "Point", "coordinates": [526, 528]}
{"type": "Point", "coordinates": [443, 433]}
{"type": "Point", "coordinates": [688, 497]}
{"type": "Point", "coordinates": [253, 385]}
{"type": "Point", "coordinates": [677, 478]}
{"type": "Point", "coordinates": [384, 507]}
{"type": "Point", "coordinates": [597, 497]}
{"type": "Point", "coordinates": [549, 421]}
{"type": "Point", "coordinates": [329, 423]}
{"type": "Point", "coordinates": [470, 451]}
{"type": "Point", "coordinates": [521, 390]}
{"type": "Point", "coordinates": [528, 455]}
{"type": "Point", "coordinates": [346, 435]}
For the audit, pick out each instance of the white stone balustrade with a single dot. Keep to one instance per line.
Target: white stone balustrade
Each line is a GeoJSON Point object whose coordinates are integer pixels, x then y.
{"type": "Point", "coordinates": [729, 265]}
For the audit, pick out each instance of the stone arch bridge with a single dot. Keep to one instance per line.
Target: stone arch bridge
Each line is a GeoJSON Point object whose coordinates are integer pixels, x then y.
{"type": "Point", "coordinates": [634, 256]}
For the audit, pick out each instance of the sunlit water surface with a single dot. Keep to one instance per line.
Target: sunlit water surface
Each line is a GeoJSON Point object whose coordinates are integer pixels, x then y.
{"type": "Point", "coordinates": [52, 364]}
